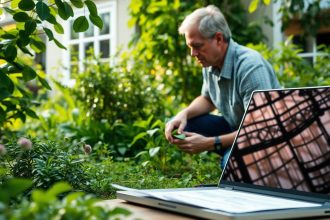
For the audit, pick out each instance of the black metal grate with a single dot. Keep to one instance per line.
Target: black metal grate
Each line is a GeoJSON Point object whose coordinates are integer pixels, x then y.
{"type": "Point", "coordinates": [284, 141]}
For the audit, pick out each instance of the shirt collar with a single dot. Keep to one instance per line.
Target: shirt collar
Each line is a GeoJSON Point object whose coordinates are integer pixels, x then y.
{"type": "Point", "coordinates": [227, 67]}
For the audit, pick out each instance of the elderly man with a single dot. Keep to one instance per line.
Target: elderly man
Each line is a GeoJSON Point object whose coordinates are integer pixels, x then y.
{"type": "Point", "coordinates": [231, 73]}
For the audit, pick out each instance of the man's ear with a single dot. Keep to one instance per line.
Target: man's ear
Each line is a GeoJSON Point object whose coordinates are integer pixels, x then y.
{"type": "Point", "coordinates": [219, 37]}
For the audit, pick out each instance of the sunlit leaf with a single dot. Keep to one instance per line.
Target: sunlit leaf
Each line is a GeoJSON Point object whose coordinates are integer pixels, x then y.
{"type": "Point", "coordinates": [153, 151]}
{"type": "Point", "coordinates": [37, 46]}
{"type": "Point", "coordinates": [59, 44]}
{"type": "Point", "coordinates": [58, 28]}
{"type": "Point", "coordinates": [58, 188]}
{"type": "Point", "coordinates": [14, 4]}
{"type": "Point", "coordinates": [266, 2]}
{"type": "Point", "coordinates": [253, 6]}
{"type": "Point", "coordinates": [44, 83]}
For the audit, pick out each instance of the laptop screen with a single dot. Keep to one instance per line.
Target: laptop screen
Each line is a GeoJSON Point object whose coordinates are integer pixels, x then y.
{"type": "Point", "coordinates": [284, 141]}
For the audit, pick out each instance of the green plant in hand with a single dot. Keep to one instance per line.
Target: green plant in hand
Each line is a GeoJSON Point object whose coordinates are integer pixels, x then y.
{"type": "Point", "coordinates": [175, 134]}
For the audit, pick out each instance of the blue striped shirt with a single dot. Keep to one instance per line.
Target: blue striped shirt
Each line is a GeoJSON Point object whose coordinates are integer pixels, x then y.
{"type": "Point", "coordinates": [244, 70]}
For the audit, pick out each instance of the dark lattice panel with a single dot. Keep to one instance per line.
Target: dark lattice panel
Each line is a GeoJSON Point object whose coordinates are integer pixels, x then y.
{"type": "Point", "coordinates": [284, 141]}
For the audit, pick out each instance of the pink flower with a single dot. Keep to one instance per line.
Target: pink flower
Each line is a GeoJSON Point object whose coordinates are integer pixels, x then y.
{"type": "Point", "coordinates": [87, 148]}
{"type": "Point", "coordinates": [3, 150]}
{"type": "Point", "coordinates": [25, 143]}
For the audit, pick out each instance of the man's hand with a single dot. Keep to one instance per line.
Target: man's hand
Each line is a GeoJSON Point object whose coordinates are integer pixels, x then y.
{"type": "Point", "coordinates": [179, 122]}
{"type": "Point", "coordinates": [194, 143]}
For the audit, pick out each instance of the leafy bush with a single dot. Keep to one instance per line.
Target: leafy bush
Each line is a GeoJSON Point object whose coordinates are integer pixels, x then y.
{"type": "Point", "coordinates": [116, 93]}
{"type": "Point", "coordinates": [48, 205]}
{"type": "Point", "coordinates": [30, 19]}
{"type": "Point", "coordinates": [45, 162]}
{"type": "Point", "coordinates": [293, 70]}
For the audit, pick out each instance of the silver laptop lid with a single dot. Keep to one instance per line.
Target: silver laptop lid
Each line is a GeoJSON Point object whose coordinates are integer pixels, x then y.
{"type": "Point", "coordinates": [283, 143]}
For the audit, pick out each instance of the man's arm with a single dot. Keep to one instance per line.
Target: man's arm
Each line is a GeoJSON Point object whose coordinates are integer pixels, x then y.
{"type": "Point", "coordinates": [196, 143]}
{"type": "Point", "coordinates": [200, 105]}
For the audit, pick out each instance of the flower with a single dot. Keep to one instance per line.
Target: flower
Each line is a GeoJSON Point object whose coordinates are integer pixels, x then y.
{"type": "Point", "coordinates": [3, 150]}
{"type": "Point", "coordinates": [87, 148]}
{"type": "Point", "coordinates": [25, 143]}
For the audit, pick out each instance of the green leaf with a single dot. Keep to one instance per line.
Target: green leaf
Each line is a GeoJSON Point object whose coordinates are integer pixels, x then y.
{"type": "Point", "coordinates": [138, 137]}
{"type": "Point", "coordinates": [31, 113]}
{"type": "Point", "coordinates": [23, 48]}
{"type": "Point", "coordinates": [64, 10]}
{"type": "Point", "coordinates": [51, 19]}
{"type": "Point", "coordinates": [14, 3]}
{"type": "Point", "coordinates": [9, 10]}
{"type": "Point", "coordinates": [49, 34]}
{"type": "Point", "coordinates": [6, 83]}
{"type": "Point", "coordinates": [59, 44]}
{"type": "Point", "coordinates": [42, 10]}
{"type": "Point", "coordinates": [23, 41]}
{"type": "Point", "coordinates": [58, 188]}
{"type": "Point", "coordinates": [80, 24]}
{"type": "Point", "coordinates": [8, 36]}
{"type": "Point", "coordinates": [58, 28]}
{"type": "Point", "coordinates": [68, 9]}
{"type": "Point", "coordinates": [10, 53]}
{"type": "Point", "coordinates": [119, 211]}
{"type": "Point", "coordinates": [77, 3]}
{"type": "Point", "coordinates": [91, 7]}
{"type": "Point", "coordinates": [177, 135]}
{"type": "Point", "coordinates": [153, 151]}
{"type": "Point", "coordinates": [37, 45]}
{"type": "Point", "coordinates": [4, 94]}
{"type": "Point", "coordinates": [97, 21]}
{"type": "Point", "coordinates": [28, 73]}
{"type": "Point", "coordinates": [13, 187]}
{"type": "Point", "coordinates": [253, 6]}
{"type": "Point", "coordinates": [21, 17]}
{"type": "Point", "coordinates": [26, 5]}
{"type": "Point", "coordinates": [30, 26]}
{"type": "Point", "coordinates": [40, 197]}
{"type": "Point", "coordinates": [44, 83]}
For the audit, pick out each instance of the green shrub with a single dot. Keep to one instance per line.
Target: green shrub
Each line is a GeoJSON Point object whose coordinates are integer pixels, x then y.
{"type": "Point", "coordinates": [51, 204]}
{"type": "Point", "coordinates": [45, 162]}
{"type": "Point", "coordinates": [116, 93]}
{"type": "Point", "coordinates": [294, 71]}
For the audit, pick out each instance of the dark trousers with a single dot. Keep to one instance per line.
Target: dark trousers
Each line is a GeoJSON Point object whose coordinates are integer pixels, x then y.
{"type": "Point", "coordinates": [211, 125]}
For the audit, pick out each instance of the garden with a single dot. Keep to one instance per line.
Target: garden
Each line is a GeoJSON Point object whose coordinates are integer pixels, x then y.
{"type": "Point", "coordinates": [60, 153]}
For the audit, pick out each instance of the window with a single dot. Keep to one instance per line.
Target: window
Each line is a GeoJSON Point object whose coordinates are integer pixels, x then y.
{"type": "Point", "coordinates": [100, 42]}
{"type": "Point", "coordinates": [310, 45]}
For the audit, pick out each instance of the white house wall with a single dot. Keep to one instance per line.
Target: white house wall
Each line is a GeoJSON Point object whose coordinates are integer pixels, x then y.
{"type": "Point", "coordinates": [56, 58]}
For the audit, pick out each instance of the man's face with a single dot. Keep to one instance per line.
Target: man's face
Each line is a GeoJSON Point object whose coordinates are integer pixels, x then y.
{"type": "Point", "coordinates": [206, 51]}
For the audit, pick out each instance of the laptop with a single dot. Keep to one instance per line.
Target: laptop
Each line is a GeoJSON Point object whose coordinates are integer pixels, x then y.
{"type": "Point", "coordinates": [278, 168]}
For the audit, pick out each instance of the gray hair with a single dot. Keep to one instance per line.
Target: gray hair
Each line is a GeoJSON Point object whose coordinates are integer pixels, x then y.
{"type": "Point", "coordinates": [209, 20]}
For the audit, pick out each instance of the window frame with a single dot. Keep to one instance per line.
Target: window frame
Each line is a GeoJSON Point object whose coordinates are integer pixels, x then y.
{"type": "Point", "coordinates": [109, 7]}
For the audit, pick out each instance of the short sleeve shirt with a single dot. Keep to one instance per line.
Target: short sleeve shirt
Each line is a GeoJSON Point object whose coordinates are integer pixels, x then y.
{"type": "Point", "coordinates": [244, 70]}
